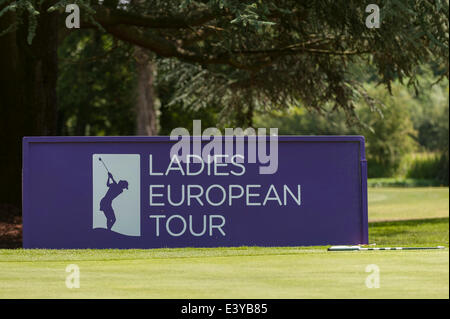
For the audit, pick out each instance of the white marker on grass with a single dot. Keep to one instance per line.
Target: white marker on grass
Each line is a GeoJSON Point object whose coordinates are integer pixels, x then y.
{"type": "Point", "coordinates": [359, 248]}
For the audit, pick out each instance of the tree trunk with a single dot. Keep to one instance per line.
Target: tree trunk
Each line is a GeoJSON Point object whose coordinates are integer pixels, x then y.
{"type": "Point", "coordinates": [28, 76]}
{"type": "Point", "coordinates": [146, 117]}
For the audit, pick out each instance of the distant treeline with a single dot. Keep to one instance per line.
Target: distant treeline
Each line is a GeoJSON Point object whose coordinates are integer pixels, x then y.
{"type": "Point", "coordinates": [407, 136]}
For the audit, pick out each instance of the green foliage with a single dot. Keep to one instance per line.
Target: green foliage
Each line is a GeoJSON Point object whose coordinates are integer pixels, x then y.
{"type": "Point", "coordinates": [403, 123]}
{"type": "Point", "coordinates": [444, 147]}
{"type": "Point", "coordinates": [245, 55]}
{"type": "Point", "coordinates": [96, 86]}
{"type": "Point", "coordinates": [391, 135]}
{"type": "Point", "coordinates": [28, 12]}
{"type": "Point", "coordinates": [427, 109]}
{"type": "Point", "coordinates": [21, 8]}
{"type": "Point", "coordinates": [301, 121]}
{"type": "Point", "coordinates": [423, 166]}
{"type": "Point", "coordinates": [430, 114]}
{"type": "Point", "coordinates": [271, 54]}
{"type": "Point", "coordinates": [444, 168]}
{"type": "Point", "coordinates": [176, 115]}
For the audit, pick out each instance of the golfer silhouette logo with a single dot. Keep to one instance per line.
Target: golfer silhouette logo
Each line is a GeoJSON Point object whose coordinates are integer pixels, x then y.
{"type": "Point", "coordinates": [114, 190]}
{"type": "Point", "coordinates": [116, 202]}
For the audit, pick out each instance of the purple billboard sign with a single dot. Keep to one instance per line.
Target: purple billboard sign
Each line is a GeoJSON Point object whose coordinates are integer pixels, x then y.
{"type": "Point", "coordinates": [130, 192]}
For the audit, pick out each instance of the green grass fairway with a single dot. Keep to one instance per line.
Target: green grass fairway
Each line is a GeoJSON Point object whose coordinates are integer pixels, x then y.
{"type": "Point", "coordinates": [225, 273]}
{"type": "Point", "coordinates": [255, 272]}
{"type": "Point", "coordinates": [396, 203]}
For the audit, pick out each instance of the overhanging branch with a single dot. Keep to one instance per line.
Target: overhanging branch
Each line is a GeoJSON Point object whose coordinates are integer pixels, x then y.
{"type": "Point", "coordinates": [254, 59]}
{"type": "Point", "coordinates": [115, 17]}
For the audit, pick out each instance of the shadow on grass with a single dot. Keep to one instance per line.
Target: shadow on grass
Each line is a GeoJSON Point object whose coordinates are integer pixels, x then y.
{"type": "Point", "coordinates": [402, 182]}
{"type": "Point", "coordinates": [421, 232]}
{"type": "Point", "coordinates": [410, 222]}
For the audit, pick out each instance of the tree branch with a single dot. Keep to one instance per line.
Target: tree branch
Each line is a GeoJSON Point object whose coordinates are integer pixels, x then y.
{"type": "Point", "coordinates": [257, 58]}
{"type": "Point", "coordinates": [166, 48]}
{"type": "Point", "coordinates": [115, 17]}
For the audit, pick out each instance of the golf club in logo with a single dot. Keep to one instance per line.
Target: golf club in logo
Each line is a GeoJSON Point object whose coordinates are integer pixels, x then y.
{"type": "Point", "coordinates": [116, 193]}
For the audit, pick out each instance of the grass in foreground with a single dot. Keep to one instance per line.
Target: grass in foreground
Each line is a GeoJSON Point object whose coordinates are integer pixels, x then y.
{"type": "Point", "coordinates": [230, 273]}
{"type": "Point", "coordinates": [408, 203]}
{"type": "Point", "coordinates": [244, 272]}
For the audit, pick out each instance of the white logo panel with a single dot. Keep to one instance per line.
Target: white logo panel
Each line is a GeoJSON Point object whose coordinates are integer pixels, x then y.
{"type": "Point", "coordinates": [116, 193]}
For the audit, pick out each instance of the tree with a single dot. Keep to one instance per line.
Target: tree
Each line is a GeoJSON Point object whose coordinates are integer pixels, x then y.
{"type": "Point", "coordinates": [254, 52]}
{"type": "Point", "coordinates": [444, 147]}
{"type": "Point", "coordinates": [27, 86]}
{"type": "Point", "coordinates": [427, 109]}
{"type": "Point", "coordinates": [146, 115]}
{"type": "Point", "coordinates": [391, 136]}
{"type": "Point", "coordinates": [96, 86]}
